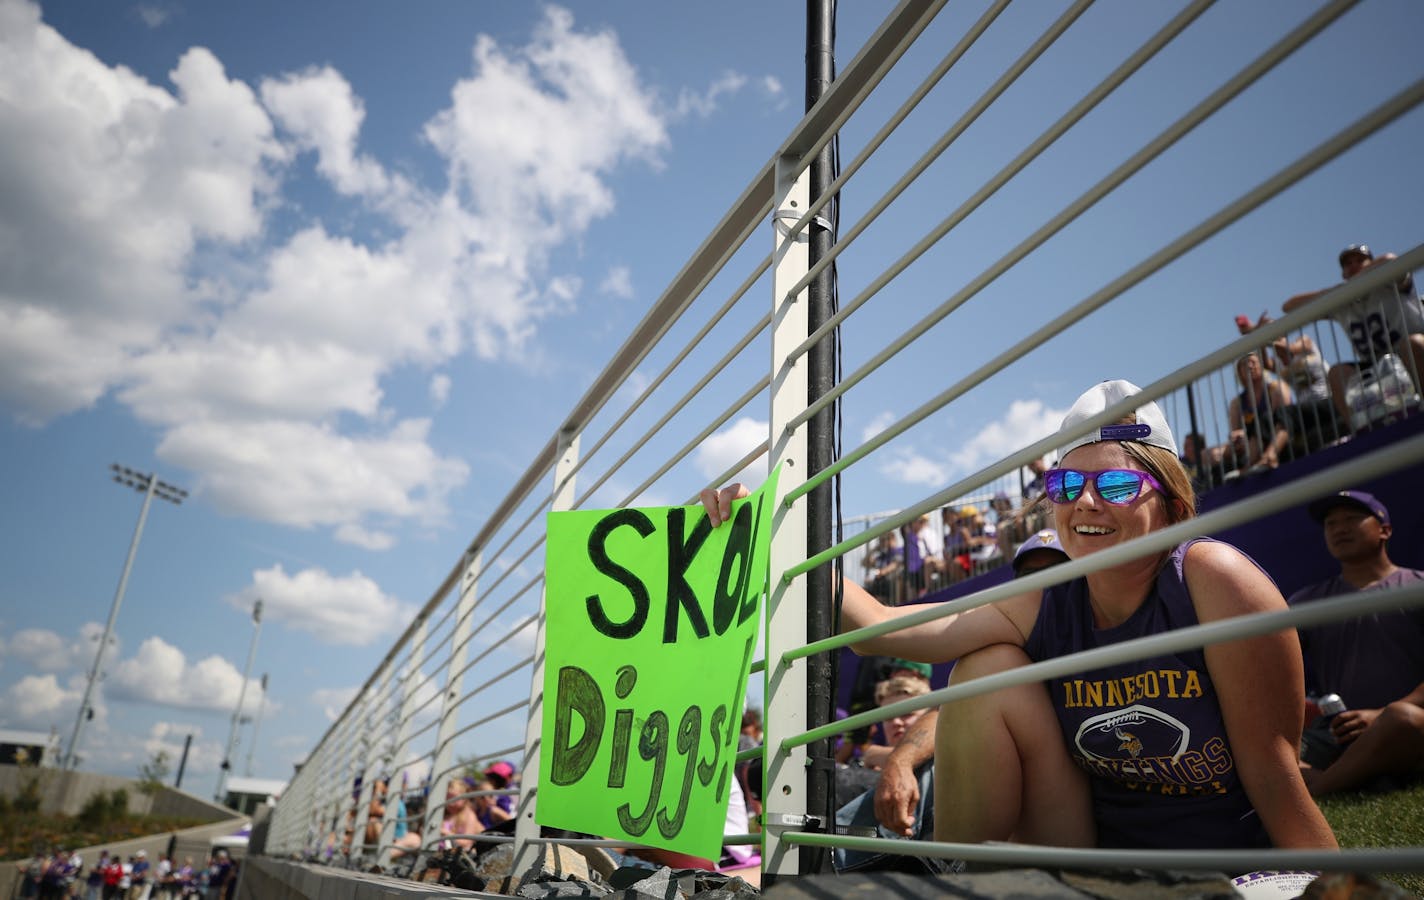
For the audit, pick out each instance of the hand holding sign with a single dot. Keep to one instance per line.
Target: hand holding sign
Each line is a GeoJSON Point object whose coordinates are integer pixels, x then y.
{"type": "Point", "coordinates": [651, 620]}
{"type": "Point", "coordinates": [718, 503]}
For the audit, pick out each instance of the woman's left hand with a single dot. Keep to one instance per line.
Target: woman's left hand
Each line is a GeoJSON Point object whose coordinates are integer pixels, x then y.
{"type": "Point", "coordinates": [718, 503]}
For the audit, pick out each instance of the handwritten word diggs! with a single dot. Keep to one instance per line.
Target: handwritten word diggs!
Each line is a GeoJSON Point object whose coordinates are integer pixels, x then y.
{"type": "Point", "coordinates": [579, 694]}
{"type": "Point", "coordinates": [733, 597]}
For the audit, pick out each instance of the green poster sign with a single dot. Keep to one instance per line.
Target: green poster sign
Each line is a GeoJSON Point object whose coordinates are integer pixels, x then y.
{"type": "Point", "coordinates": [651, 621]}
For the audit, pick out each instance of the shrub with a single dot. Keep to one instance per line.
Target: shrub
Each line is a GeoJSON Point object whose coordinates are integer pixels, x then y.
{"type": "Point", "coordinates": [96, 809]}
{"type": "Point", "coordinates": [28, 798]}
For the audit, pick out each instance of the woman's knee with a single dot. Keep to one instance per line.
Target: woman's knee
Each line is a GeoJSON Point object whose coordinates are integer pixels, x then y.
{"type": "Point", "coordinates": [1402, 716]}
{"type": "Point", "coordinates": [988, 661]}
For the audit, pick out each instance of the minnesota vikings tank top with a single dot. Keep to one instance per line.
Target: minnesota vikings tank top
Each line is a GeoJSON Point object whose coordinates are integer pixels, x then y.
{"type": "Point", "coordinates": [1148, 733]}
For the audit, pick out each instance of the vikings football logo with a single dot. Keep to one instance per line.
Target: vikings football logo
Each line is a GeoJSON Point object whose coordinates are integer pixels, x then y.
{"type": "Point", "coordinates": [1130, 742]}
{"type": "Point", "coordinates": [1132, 732]}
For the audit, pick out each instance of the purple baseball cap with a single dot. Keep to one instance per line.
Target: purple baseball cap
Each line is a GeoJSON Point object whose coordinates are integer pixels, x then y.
{"type": "Point", "coordinates": [1320, 508]}
{"type": "Point", "coordinates": [1047, 539]}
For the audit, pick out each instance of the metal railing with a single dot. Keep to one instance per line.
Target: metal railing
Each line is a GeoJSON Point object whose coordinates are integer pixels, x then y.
{"type": "Point", "coordinates": [450, 697]}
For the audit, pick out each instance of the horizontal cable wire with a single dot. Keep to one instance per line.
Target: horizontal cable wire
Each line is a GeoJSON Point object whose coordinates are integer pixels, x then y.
{"type": "Point", "coordinates": [1287, 496]}
{"type": "Point", "coordinates": [1357, 131]}
{"type": "Point", "coordinates": [687, 349]}
{"type": "Point", "coordinates": [679, 405]}
{"type": "Point", "coordinates": [995, 90]}
{"type": "Point", "coordinates": [1317, 612]}
{"type": "Point", "coordinates": [761, 384]}
{"type": "Point", "coordinates": [513, 707]}
{"type": "Point", "coordinates": [496, 679]}
{"type": "Point", "coordinates": [992, 186]}
{"type": "Point", "coordinates": [1335, 298]}
{"type": "Point", "coordinates": [1384, 859]}
{"type": "Point", "coordinates": [950, 59]}
{"type": "Point", "coordinates": [1179, 129]}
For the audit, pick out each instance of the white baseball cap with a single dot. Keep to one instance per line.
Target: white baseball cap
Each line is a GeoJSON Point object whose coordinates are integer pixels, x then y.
{"type": "Point", "coordinates": [1151, 427]}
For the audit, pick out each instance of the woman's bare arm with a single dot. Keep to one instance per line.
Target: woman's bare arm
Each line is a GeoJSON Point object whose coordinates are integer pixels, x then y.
{"type": "Point", "coordinates": [939, 640]}
{"type": "Point", "coordinates": [1260, 684]}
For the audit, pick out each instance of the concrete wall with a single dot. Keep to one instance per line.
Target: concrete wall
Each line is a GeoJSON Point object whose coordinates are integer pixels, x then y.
{"type": "Point", "coordinates": [66, 792]}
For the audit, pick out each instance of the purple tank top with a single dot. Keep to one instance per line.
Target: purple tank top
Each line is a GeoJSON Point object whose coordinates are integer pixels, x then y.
{"type": "Point", "coordinates": [1148, 733]}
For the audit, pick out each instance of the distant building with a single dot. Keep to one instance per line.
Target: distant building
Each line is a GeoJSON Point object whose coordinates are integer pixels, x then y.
{"type": "Point", "coordinates": [28, 748]}
{"type": "Point", "coordinates": [247, 794]}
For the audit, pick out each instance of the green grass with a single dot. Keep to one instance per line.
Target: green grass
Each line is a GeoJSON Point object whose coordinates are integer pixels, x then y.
{"type": "Point", "coordinates": [1391, 819]}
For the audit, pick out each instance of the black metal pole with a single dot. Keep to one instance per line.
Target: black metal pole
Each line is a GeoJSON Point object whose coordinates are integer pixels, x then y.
{"type": "Point", "coordinates": [183, 763]}
{"type": "Point", "coordinates": [1200, 449]}
{"type": "Point", "coordinates": [820, 512]}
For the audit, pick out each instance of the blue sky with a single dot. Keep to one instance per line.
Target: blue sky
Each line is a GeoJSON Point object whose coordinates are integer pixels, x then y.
{"type": "Point", "coordinates": [340, 269]}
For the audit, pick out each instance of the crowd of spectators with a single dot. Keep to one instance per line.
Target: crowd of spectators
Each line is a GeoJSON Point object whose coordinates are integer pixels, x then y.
{"type": "Point", "coordinates": [61, 874]}
{"type": "Point", "coordinates": [1288, 400]}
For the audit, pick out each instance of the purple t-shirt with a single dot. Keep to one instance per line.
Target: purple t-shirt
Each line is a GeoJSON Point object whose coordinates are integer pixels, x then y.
{"type": "Point", "coordinates": [1148, 733]}
{"type": "Point", "coordinates": [1369, 661]}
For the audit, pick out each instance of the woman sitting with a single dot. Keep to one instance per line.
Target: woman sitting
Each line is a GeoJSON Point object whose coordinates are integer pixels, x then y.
{"type": "Point", "coordinates": [1195, 748]}
{"type": "Point", "coordinates": [1259, 416]}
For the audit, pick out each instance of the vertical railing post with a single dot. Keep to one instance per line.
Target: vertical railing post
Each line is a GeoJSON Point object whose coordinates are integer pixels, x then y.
{"type": "Point", "coordinates": [402, 744]}
{"type": "Point", "coordinates": [373, 764]}
{"type": "Point", "coordinates": [785, 780]}
{"type": "Point", "coordinates": [454, 684]}
{"type": "Point", "coordinates": [354, 754]}
{"type": "Point", "coordinates": [328, 798]}
{"type": "Point", "coordinates": [525, 828]}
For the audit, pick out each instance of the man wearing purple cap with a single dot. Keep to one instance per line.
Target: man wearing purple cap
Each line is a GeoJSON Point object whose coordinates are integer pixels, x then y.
{"type": "Point", "coordinates": [1374, 662]}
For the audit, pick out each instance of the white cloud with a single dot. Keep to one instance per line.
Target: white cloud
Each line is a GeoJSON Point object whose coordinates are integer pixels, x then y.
{"type": "Point", "coordinates": [530, 135]}
{"type": "Point", "coordinates": [722, 450]}
{"type": "Point", "coordinates": [350, 610]}
{"type": "Point", "coordinates": [876, 425]}
{"type": "Point", "coordinates": [351, 533]}
{"type": "Point", "coordinates": [333, 701]}
{"type": "Point", "coordinates": [1025, 422]}
{"type": "Point", "coordinates": [263, 364]}
{"type": "Point", "coordinates": [318, 108]}
{"type": "Point", "coordinates": [304, 475]}
{"type": "Point", "coordinates": [40, 702]}
{"type": "Point", "coordinates": [704, 104]}
{"type": "Point", "coordinates": [95, 239]}
{"type": "Point", "coordinates": [160, 673]}
{"type": "Point", "coordinates": [152, 15]}
{"type": "Point", "coordinates": [49, 651]}
{"type": "Point", "coordinates": [618, 282]}
{"type": "Point", "coordinates": [910, 467]}
{"type": "Point", "coordinates": [439, 389]}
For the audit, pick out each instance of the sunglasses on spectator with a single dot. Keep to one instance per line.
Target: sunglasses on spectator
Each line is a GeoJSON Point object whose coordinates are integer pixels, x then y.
{"type": "Point", "coordinates": [1116, 486]}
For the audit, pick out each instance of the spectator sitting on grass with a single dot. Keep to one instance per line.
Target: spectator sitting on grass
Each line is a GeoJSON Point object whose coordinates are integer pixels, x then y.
{"type": "Point", "coordinates": [1373, 662]}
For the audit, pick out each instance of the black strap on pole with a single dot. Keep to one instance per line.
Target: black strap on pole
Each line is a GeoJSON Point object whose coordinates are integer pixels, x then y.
{"type": "Point", "coordinates": [821, 582]}
{"type": "Point", "coordinates": [183, 763]}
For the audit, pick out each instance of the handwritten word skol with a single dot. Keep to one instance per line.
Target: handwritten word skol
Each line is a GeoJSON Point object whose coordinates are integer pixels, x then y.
{"type": "Point", "coordinates": [733, 598]}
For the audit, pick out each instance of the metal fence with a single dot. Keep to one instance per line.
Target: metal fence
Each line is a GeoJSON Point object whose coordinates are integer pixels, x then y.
{"type": "Point", "coordinates": [454, 691]}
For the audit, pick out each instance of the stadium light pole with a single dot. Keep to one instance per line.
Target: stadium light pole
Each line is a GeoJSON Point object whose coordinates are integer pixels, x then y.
{"type": "Point", "coordinates": [150, 486]}
{"type": "Point", "coordinates": [241, 695]}
{"type": "Point", "coordinates": [257, 724]}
